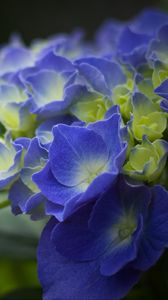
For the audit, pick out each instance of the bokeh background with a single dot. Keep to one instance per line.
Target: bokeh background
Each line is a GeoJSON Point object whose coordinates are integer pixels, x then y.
{"type": "Point", "coordinates": [42, 18]}
{"type": "Point", "coordinates": [18, 235]}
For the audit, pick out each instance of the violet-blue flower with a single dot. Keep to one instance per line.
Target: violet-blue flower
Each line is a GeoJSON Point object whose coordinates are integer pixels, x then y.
{"type": "Point", "coordinates": [103, 248]}
{"type": "Point", "coordinates": [83, 162]}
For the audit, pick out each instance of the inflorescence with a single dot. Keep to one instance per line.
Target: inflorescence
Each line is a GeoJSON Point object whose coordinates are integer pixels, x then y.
{"type": "Point", "coordinates": [84, 139]}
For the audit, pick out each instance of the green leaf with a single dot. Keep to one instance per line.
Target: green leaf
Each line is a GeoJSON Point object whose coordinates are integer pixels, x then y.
{"type": "Point", "coordinates": [18, 235]}
{"type": "Point", "coordinates": [4, 202]}
{"type": "Point", "coordinates": [19, 238]}
{"type": "Point", "coordinates": [16, 275]}
{"type": "Point", "coordinates": [26, 294]}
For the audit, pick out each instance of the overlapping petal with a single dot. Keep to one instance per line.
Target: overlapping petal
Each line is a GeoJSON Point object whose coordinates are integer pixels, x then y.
{"type": "Point", "coordinates": [80, 158]}
{"type": "Point", "coordinates": [104, 240]}
{"type": "Point", "coordinates": [24, 193]}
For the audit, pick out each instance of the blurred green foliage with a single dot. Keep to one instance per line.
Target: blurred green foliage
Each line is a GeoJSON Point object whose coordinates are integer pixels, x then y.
{"type": "Point", "coordinates": [163, 5]}
{"type": "Point", "coordinates": [19, 238]}
{"type": "Point", "coordinates": [16, 274]}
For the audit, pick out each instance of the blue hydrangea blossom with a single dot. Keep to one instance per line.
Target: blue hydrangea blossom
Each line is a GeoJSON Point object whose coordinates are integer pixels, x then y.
{"type": "Point", "coordinates": [102, 245]}
{"type": "Point", "coordinates": [84, 140]}
{"type": "Point", "coordinates": [83, 161]}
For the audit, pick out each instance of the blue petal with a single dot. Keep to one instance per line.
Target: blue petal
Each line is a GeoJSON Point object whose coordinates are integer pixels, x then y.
{"type": "Point", "coordinates": [121, 253]}
{"type": "Point", "coordinates": [45, 87]}
{"type": "Point", "coordinates": [35, 153]}
{"type": "Point", "coordinates": [108, 35]}
{"type": "Point", "coordinates": [109, 130]}
{"type": "Point", "coordinates": [149, 21]}
{"type": "Point", "coordinates": [95, 78]}
{"type": "Point", "coordinates": [108, 69]}
{"type": "Point", "coordinates": [15, 58]}
{"type": "Point", "coordinates": [74, 240]}
{"type": "Point", "coordinates": [56, 63]}
{"type": "Point", "coordinates": [130, 40]}
{"type": "Point", "coordinates": [54, 209]}
{"type": "Point", "coordinates": [99, 185]}
{"type": "Point", "coordinates": [85, 242]}
{"type": "Point", "coordinates": [162, 90]}
{"type": "Point", "coordinates": [72, 94]}
{"type": "Point", "coordinates": [155, 237]}
{"type": "Point", "coordinates": [63, 279]}
{"type": "Point", "coordinates": [72, 151]}
{"type": "Point", "coordinates": [18, 195]}
{"type": "Point", "coordinates": [44, 131]}
{"type": "Point", "coordinates": [121, 197]}
{"type": "Point", "coordinates": [23, 141]}
{"type": "Point", "coordinates": [162, 34]}
{"type": "Point", "coordinates": [50, 187]}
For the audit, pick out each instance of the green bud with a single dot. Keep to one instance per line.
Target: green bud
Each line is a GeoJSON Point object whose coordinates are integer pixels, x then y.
{"type": "Point", "coordinates": [147, 120]}
{"type": "Point", "coordinates": [147, 160]}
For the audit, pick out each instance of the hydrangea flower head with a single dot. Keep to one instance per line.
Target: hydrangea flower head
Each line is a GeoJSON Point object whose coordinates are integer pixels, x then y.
{"type": "Point", "coordinates": [84, 140]}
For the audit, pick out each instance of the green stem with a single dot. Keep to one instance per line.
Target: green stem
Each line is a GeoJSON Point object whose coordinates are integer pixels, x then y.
{"type": "Point", "coordinates": [4, 204]}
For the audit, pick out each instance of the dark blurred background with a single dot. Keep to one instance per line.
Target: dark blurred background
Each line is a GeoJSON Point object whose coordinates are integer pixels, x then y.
{"type": "Point", "coordinates": [42, 18]}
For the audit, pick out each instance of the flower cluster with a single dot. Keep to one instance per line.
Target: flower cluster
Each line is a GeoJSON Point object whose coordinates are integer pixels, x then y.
{"type": "Point", "coordinates": [84, 139]}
